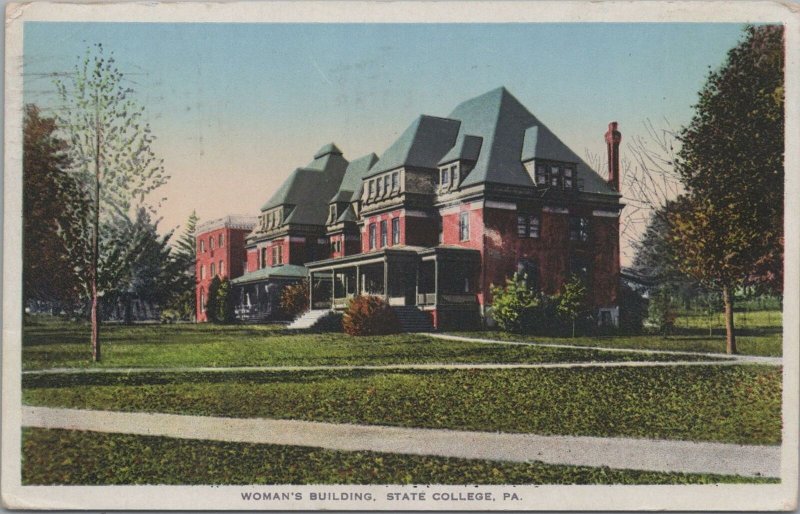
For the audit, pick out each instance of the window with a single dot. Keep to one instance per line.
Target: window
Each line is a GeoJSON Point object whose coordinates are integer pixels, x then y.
{"type": "Point", "coordinates": [579, 267]}
{"type": "Point", "coordinates": [440, 224]}
{"type": "Point", "coordinates": [339, 245]}
{"type": "Point", "coordinates": [578, 229]}
{"type": "Point", "coordinates": [202, 245]}
{"type": "Point", "coordinates": [384, 234]}
{"type": "Point", "coordinates": [212, 270]}
{"type": "Point", "coordinates": [263, 257]}
{"type": "Point", "coordinates": [371, 236]}
{"type": "Point", "coordinates": [463, 226]}
{"type": "Point", "coordinates": [371, 189]}
{"type": "Point", "coordinates": [541, 175]}
{"type": "Point", "coordinates": [555, 176]}
{"type": "Point", "coordinates": [445, 177]}
{"type": "Point", "coordinates": [528, 225]}
{"type": "Point", "coordinates": [277, 255]}
{"type": "Point", "coordinates": [454, 175]}
{"type": "Point", "coordinates": [333, 213]}
{"type": "Point", "coordinates": [221, 241]}
{"type": "Point", "coordinates": [202, 301]}
{"type": "Point", "coordinates": [211, 244]}
{"type": "Point", "coordinates": [395, 231]}
{"type": "Point", "coordinates": [202, 272]}
{"type": "Point", "coordinates": [222, 268]}
{"type": "Point", "coordinates": [529, 269]}
{"type": "Point", "coordinates": [568, 178]}
{"type": "Point", "coordinates": [395, 181]}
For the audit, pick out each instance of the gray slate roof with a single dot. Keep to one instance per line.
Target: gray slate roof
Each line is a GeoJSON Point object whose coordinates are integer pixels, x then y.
{"type": "Point", "coordinates": [467, 148]}
{"type": "Point", "coordinates": [309, 188]}
{"type": "Point", "coordinates": [503, 123]}
{"type": "Point", "coordinates": [422, 144]}
{"type": "Point", "coordinates": [351, 183]}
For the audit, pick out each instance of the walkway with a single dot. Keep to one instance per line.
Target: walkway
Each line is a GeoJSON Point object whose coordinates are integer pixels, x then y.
{"type": "Point", "coordinates": [388, 367]}
{"type": "Point", "coordinates": [740, 359]}
{"type": "Point", "coordinates": [620, 453]}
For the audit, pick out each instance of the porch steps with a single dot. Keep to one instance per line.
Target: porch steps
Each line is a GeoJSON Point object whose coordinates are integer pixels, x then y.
{"type": "Point", "coordinates": [412, 319]}
{"type": "Point", "coordinates": [308, 319]}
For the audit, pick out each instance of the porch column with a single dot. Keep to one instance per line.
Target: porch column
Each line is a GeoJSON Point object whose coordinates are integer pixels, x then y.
{"type": "Point", "coordinates": [435, 280]}
{"type": "Point", "coordinates": [333, 289]}
{"type": "Point", "coordinates": [386, 279]}
{"type": "Point", "coordinates": [358, 280]}
{"type": "Point", "coordinates": [310, 290]}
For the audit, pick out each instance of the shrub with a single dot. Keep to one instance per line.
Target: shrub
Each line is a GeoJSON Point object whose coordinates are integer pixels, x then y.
{"type": "Point", "coordinates": [519, 308]}
{"type": "Point", "coordinates": [294, 299]}
{"type": "Point", "coordinates": [662, 312]}
{"type": "Point", "coordinates": [369, 316]}
{"type": "Point", "coordinates": [170, 316]}
{"type": "Point", "coordinates": [331, 322]}
{"type": "Point", "coordinates": [224, 308]}
{"type": "Point", "coordinates": [632, 310]}
{"type": "Point", "coordinates": [571, 303]}
{"type": "Point", "coordinates": [211, 302]}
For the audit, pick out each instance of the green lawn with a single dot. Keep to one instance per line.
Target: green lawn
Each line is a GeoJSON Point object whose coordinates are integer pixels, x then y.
{"type": "Point", "coordinates": [54, 345]}
{"type": "Point", "coordinates": [735, 404]}
{"type": "Point", "coordinates": [67, 457]}
{"type": "Point", "coordinates": [758, 333]}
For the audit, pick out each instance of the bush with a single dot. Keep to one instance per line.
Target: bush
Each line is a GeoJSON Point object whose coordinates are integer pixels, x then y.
{"type": "Point", "coordinates": [170, 316]}
{"type": "Point", "coordinates": [224, 303]}
{"type": "Point", "coordinates": [571, 303]}
{"type": "Point", "coordinates": [294, 299]}
{"type": "Point", "coordinates": [632, 310]}
{"type": "Point", "coordinates": [331, 322]}
{"type": "Point", "coordinates": [519, 308]}
{"type": "Point", "coordinates": [211, 302]}
{"type": "Point", "coordinates": [662, 312]}
{"type": "Point", "coordinates": [369, 316]}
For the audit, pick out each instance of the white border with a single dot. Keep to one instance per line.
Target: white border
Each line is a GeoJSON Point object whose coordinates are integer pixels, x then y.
{"type": "Point", "coordinates": [717, 497]}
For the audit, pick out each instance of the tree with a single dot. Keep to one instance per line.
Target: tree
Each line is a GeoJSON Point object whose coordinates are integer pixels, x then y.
{"type": "Point", "coordinates": [47, 273]}
{"type": "Point", "coordinates": [571, 303]}
{"type": "Point", "coordinates": [516, 306]}
{"type": "Point", "coordinates": [184, 258]}
{"type": "Point", "coordinates": [112, 165]}
{"type": "Point", "coordinates": [136, 263]}
{"type": "Point", "coordinates": [212, 304]}
{"type": "Point", "coordinates": [224, 302]}
{"type": "Point", "coordinates": [731, 164]}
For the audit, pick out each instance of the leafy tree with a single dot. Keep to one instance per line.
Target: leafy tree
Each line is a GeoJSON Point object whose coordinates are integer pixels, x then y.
{"type": "Point", "coordinates": [112, 165]}
{"type": "Point", "coordinates": [731, 163]}
{"type": "Point", "coordinates": [662, 312]}
{"type": "Point", "coordinates": [184, 258]}
{"type": "Point", "coordinates": [212, 303]}
{"type": "Point", "coordinates": [46, 270]}
{"type": "Point", "coordinates": [294, 299]}
{"type": "Point", "coordinates": [571, 303]}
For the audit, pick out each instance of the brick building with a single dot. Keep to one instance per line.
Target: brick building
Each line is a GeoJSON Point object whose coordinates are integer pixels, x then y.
{"type": "Point", "coordinates": [220, 252]}
{"type": "Point", "coordinates": [454, 205]}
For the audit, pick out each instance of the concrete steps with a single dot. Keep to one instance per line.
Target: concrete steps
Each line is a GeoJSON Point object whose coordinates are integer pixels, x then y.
{"type": "Point", "coordinates": [412, 319]}
{"type": "Point", "coordinates": [308, 319]}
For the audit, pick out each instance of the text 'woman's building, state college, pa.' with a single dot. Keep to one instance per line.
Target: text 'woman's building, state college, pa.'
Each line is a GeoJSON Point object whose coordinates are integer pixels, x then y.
{"type": "Point", "coordinates": [453, 206]}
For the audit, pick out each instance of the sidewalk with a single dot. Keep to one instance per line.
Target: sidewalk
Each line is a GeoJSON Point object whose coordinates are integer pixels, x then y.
{"type": "Point", "coordinates": [619, 453]}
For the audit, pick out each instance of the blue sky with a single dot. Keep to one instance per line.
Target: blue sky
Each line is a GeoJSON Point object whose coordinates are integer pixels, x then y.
{"type": "Point", "coordinates": [237, 107]}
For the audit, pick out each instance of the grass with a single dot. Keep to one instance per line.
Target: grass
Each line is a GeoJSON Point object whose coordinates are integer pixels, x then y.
{"type": "Point", "coordinates": [51, 345]}
{"type": "Point", "coordinates": [758, 333]}
{"type": "Point", "coordinates": [733, 404]}
{"type": "Point", "coordinates": [67, 457]}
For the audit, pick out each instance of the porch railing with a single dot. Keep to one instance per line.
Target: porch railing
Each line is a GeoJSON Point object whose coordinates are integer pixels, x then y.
{"type": "Point", "coordinates": [446, 298]}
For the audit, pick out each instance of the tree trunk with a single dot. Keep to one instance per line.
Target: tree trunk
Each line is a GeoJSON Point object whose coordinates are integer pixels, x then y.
{"type": "Point", "coordinates": [96, 240]}
{"type": "Point", "coordinates": [730, 336]}
{"type": "Point", "coordinates": [573, 329]}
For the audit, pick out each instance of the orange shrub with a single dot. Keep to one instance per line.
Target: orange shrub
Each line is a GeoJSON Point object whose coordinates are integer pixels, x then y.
{"type": "Point", "coordinates": [369, 316]}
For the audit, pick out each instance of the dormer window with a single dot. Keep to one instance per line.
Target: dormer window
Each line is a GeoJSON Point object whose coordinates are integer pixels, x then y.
{"type": "Point", "coordinates": [453, 175]}
{"type": "Point", "coordinates": [371, 189]}
{"type": "Point", "coordinates": [568, 178]}
{"type": "Point", "coordinates": [395, 181]}
{"type": "Point", "coordinates": [555, 176]}
{"type": "Point", "coordinates": [541, 175]}
{"type": "Point", "coordinates": [332, 213]}
{"type": "Point", "coordinates": [445, 178]}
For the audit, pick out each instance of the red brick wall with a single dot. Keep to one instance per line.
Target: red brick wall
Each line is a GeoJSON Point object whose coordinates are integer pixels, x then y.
{"type": "Point", "coordinates": [231, 253]}
{"type": "Point", "coordinates": [376, 219]}
{"type": "Point", "coordinates": [605, 245]}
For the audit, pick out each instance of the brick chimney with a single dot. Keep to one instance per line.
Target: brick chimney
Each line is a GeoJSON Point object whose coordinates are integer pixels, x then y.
{"type": "Point", "coordinates": [613, 138]}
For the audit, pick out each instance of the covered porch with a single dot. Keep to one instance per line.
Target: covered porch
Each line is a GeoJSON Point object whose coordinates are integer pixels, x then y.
{"type": "Point", "coordinates": [408, 276]}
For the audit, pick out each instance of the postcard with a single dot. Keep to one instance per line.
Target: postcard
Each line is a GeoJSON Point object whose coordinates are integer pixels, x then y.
{"type": "Point", "coordinates": [401, 256]}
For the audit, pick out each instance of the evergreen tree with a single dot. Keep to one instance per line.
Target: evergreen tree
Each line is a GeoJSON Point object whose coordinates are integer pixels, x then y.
{"type": "Point", "coordinates": [184, 259]}
{"type": "Point", "coordinates": [731, 163]}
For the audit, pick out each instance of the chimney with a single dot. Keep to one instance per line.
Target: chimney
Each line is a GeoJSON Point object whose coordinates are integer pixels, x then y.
{"type": "Point", "coordinates": [613, 138]}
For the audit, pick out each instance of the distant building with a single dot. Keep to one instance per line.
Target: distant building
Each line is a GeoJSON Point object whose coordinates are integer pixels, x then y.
{"type": "Point", "coordinates": [220, 252]}
{"type": "Point", "coordinates": [453, 206]}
